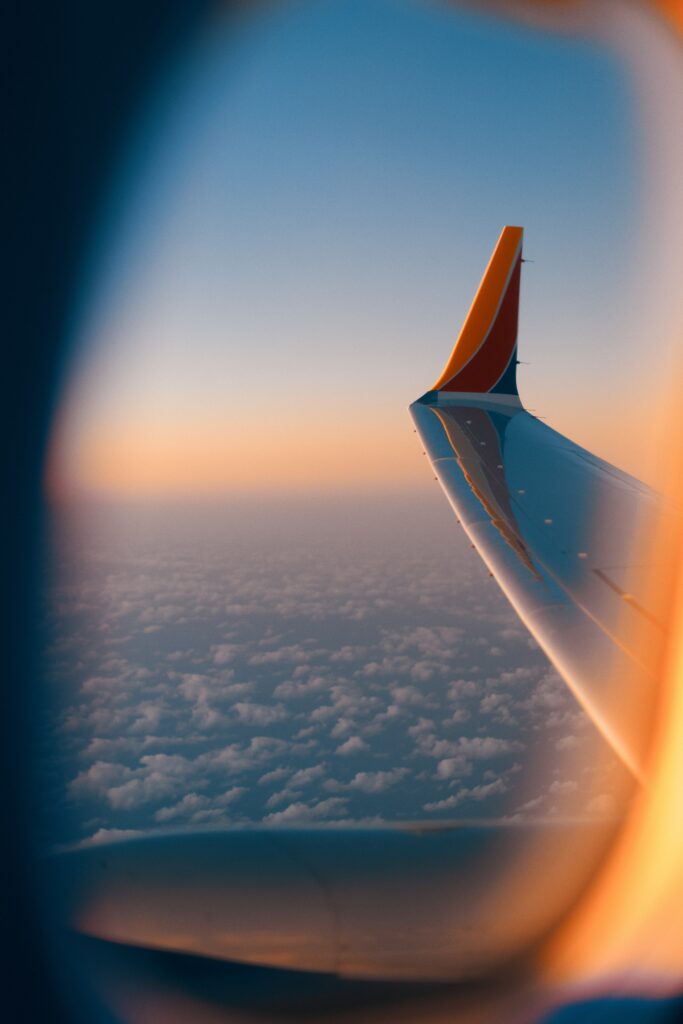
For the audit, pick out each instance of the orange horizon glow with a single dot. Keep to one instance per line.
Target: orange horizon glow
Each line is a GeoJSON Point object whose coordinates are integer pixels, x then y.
{"type": "Point", "coordinates": [204, 459]}
{"type": "Point", "coordinates": [368, 449]}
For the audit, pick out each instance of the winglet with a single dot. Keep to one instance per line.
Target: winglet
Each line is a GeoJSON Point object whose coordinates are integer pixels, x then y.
{"type": "Point", "coordinates": [484, 358]}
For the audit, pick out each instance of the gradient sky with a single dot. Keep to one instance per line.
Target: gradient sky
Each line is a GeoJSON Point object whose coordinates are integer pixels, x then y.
{"type": "Point", "coordinates": [299, 227]}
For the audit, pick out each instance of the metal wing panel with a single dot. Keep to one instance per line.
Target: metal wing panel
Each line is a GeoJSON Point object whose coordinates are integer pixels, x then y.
{"type": "Point", "coordinates": [558, 528]}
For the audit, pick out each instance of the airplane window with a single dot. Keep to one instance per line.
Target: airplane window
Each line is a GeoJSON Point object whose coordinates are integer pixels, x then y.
{"type": "Point", "coordinates": [298, 750]}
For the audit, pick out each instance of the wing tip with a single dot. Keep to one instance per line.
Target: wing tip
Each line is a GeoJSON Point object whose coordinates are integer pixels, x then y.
{"type": "Point", "coordinates": [484, 357]}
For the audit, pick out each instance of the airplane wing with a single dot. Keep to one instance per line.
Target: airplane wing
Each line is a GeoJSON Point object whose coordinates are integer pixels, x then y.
{"type": "Point", "coordinates": [563, 532]}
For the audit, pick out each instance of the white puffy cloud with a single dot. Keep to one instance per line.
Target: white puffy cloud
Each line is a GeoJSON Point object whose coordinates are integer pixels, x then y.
{"type": "Point", "coordinates": [185, 808]}
{"type": "Point", "coordinates": [305, 776]}
{"type": "Point", "coordinates": [281, 796]}
{"type": "Point", "coordinates": [148, 717]}
{"type": "Point", "coordinates": [476, 793]}
{"type": "Point", "coordinates": [452, 767]}
{"type": "Point", "coordinates": [98, 778]}
{"type": "Point", "coordinates": [348, 653]}
{"type": "Point", "coordinates": [296, 688]}
{"type": "Point", "coordinates": [196, 687]}
{"type": "Point", "coordinates": [436, 642]}
{"type": "Point", "coordinates": [462, 688]}
{"type": "Point", "coordinates": [259, 714]}
{"type": "Point", "coordinates": [568, 742]}
{"type": "Point", "coordinates": [561, 787]}
{"type": "Point", "coordinates": [236, 757]}
{"type": "Point", "coordinates": [465, 747]}
{"type": "Point", "coordinates": [301, 813]}
{"type": "Point", "coordinates": [291, 653]}
{"type": "Point", "coordinates": [342, 727]}
{"type": "Point", "coordinates": [111, 835]}
{"type": "Point", "coordinates": [487, 746]}
{"type": "Point", "coordinates": [276, 775]}
{"type": "Point", "coordinates": [101, 748]}
{"type": "Point", "coordinates": [353, 745]}
{"type": "Point", "coordinates": [423, 671]}
{"type": "Point", "coordinates": [459, 716]}
{"type": "Point", "coordinates": [159, 776]}
{"type": "Point", "coordinates": [229, 796]}
{"type": "Point", "coordinates": [369, 782]}
{"type": "Point", "coordinates": [223, 654]}
{"type": "Point", "coordinates": [206, 717]}
{"type": "Point", "coordinates": [602, 805]}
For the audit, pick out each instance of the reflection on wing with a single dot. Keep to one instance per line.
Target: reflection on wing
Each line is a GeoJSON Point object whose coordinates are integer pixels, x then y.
{"type": "Point", "coordinates": [557, 527]}
{"type": "Point", "coordinates": [478, 448]}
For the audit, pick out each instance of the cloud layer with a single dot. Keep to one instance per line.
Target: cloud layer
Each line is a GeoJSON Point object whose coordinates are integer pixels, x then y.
{"type": "Point", "coordinates": [242, 673]}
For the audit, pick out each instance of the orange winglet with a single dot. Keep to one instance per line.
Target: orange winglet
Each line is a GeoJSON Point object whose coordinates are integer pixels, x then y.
{"type": "Point", "coordinates": [486, 346]}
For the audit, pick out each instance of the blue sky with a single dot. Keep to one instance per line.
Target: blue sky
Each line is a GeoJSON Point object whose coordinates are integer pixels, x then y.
{"type": "Point", "coordinates": [303, 217]}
